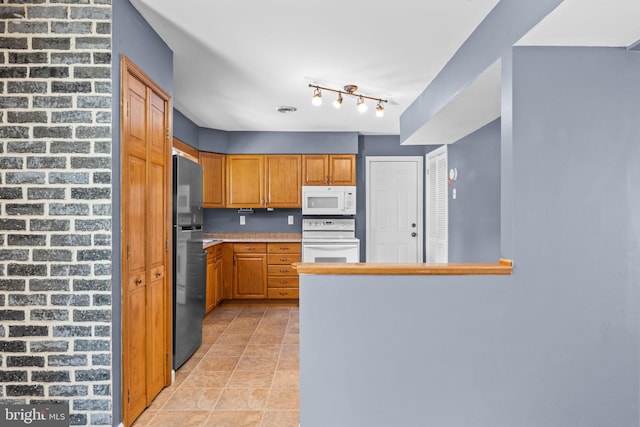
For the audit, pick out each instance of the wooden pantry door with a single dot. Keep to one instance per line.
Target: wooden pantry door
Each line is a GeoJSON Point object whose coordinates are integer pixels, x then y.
{"type": "Point", "coordinates": [146, 227]}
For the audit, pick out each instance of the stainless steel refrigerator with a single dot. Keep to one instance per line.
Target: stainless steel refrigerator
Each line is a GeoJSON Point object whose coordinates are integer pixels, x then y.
{"type": "Point", "coordinates": [189, 260]}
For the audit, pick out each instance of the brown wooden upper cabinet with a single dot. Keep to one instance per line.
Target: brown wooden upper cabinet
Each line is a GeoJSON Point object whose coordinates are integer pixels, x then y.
{"type": "Point", "coordinates": [329, 169]}
{"type": "Point", "coordinates": [259, 181]}
{"type": "Point", "coordinates": [213, 180]}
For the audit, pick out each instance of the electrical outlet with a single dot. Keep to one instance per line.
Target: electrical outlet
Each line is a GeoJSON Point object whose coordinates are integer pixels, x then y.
{"type": "Point", "coordinates": [242, 220]}
{"type": "Point", "coordinates": [290, 220]}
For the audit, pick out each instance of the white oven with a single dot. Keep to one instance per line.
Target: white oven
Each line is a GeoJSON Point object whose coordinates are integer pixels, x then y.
{"type": "Point", "coordinates": [334, 200]}
{"type": "Point", "coordinates": [329, 240]}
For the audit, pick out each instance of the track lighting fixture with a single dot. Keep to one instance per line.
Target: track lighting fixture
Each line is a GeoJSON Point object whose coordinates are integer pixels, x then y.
{"type": "Point", "coordinates": [338, 102]}
{"type": "Point", "coordinates": [348, 90]}
{"type": "Point", "coordinates": [317, 97]}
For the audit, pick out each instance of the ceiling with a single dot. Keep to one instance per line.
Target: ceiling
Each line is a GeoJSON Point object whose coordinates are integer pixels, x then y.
{"type": "Point", "coordinates": [236, 62]}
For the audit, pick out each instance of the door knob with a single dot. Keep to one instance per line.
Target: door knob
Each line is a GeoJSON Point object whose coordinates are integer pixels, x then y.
{"type": "Point", "coordinates": [414, 234]}
{"type": "Point", "coordinates": [413, 225]}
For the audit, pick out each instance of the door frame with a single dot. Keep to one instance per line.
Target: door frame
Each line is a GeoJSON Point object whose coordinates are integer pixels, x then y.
{"type": "Point", "coordinates": [129, 67]}
{"type": "Point", "coordinates": [420, 202]}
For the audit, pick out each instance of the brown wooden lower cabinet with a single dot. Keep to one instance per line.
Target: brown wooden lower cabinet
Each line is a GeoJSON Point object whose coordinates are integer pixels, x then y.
{"type": "Point", "coordinates": [282, 281]}
{"type": "Point", "coordinates": [215, 277]}
{"type": "Point", "coordinates": [251, 271]}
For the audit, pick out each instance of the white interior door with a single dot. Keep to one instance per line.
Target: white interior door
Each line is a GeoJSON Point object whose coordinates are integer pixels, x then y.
{"type": "Point", "coordinates": [394, 209]}
{"type": "Point", "coordinates": [437, 206]}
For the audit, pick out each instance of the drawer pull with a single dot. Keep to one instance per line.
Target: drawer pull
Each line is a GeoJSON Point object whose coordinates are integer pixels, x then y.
{"type": "Point", "coordinates": [282, 293]}
{"type": "Point", "coordinates": [283, 282]}
{"type": "Point", "coordinates": [284, 249]}
{"type": "Point", "coordinates": [284, 259]}
{"type": "Point", "coordinates": [283, 271]}
{"type": "Point", "coordinates": [138, 281]}
{"type": "Point", "coordinates": [249, 248]}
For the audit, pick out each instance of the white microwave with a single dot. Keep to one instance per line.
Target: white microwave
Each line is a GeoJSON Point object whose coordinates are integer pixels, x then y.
{"type": "Point", "coordinates": [338, 200]}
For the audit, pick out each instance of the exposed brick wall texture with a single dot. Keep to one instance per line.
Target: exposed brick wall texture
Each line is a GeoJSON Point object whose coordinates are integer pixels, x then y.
{"type": "Point", "coordinates": [55, 200]}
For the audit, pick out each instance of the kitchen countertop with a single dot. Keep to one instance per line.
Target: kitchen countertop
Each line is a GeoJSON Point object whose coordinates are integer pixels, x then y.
{"type": "Point", "coordinates": [211, 239]}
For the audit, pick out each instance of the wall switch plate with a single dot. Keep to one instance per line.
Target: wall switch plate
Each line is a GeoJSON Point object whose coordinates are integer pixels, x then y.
{"type": "Point", "coordinates": [242, 220]}
{"type": "Point", "coordinates": [290, 220]}
{"type": "Point", "coordinates": [454, 194]}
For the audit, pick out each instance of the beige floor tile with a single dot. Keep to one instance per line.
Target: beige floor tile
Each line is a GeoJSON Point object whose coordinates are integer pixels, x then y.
{"type": "Point", "coordinates": [162, 398]}
{"type": "Point", "coordinates": [287, 363]}
{"type": "Point", "coordinates": [234, 419]}
{"type": "Point", "coordinates": [179, 418]}
{"type": "Point", "coordinates": [234, 339]}
{"type": "Point", "coordinates": [190, 364]}
{"type": "Point", "coordinates": [207, 379]}
{"type": "Point", "coordinates": [144, 419]}
{"type": "Point", "coordinates": [286, 379]}
{"type": "Point", "coordinates": [284, 399]}
{"type": "Point", "coordinates": [265, 339]}
{"type": "Point", "coordinates": [217, 363]}
{"type": "Point", "coordinates": [242, 399]}
{"type": "Point", "coordinates": [260, 363]}
{"type": "Point", "coordinates": [226, 350]}
{"type": "Point", "coordinates": [292, 350]}
{"type": "Point", "coordinates": [250, 379]}
{"type": "Point", "coordinates": [262, 350]}
{"type": "Point", "coordinates": [280, 419]}
{"type": "Point", "coordinates": [291, 339]}
{"type": "Point", "coordinates": [193, 399]}
{"type": "Point", "coordinates": [270, 330]}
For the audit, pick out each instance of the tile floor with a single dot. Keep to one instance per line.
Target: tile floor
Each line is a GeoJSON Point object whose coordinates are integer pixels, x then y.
{"type": "Point", "coordinates": [245, 374]}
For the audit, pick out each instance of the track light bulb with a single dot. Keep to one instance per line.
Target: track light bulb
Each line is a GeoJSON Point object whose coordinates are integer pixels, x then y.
{"type": "Point", "coordinates": [317, 98]}
{"type": "Point", "coordinates": [362, 107]}
{"type": "Point", "coordinates": [379, 110]}
{"type": "Point", "coordinates": [338, 102]}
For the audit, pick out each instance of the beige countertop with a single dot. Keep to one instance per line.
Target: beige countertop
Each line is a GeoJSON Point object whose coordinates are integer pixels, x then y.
{"type": "Point", "coordinates": [211, 239]}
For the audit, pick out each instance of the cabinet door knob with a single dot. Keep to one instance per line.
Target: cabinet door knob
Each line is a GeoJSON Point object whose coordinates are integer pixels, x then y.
{"type": "Point", "coordinates": [158, 274]}
{"type": "Point", "coordinates": [413, 234]}
{"type": "Point", "coordinates": [138, 281]}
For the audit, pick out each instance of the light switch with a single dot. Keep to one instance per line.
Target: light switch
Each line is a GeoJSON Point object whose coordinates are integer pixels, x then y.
{"type": "Point", "coordinates": [290, 220]}
{"type": "Point", "coordinates": [242, 220]}
{"type": "Point", "coordinates": [454, 194]}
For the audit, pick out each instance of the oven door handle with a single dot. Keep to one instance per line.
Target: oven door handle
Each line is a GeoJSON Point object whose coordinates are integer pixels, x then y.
{"type": "Point", "coordinates": [329, 246]}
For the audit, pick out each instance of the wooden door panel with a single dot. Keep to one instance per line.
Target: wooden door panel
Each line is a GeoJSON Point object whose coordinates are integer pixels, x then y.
{"type": "Point", "coordinates": [136, 351]}
{"type": "Point", "coordinates": [156, 219]}
{"type": "Point", "coordinates": [250, 276]}
{"type": "Point", "coordinates": [135, 214]}
{"type": "Point", "coordinates": [156, 348]}
{"type": "Point", "coordinates": [135, 112]}
{"type": "Point", "coordinates": [284, 181]}
{"type": "Point", "coordinates": [213, 185]}
{"type": "Point", "coordinates": [342, 169]}
{"type": "Point", "coordinates": [211, 277]}
{"type": "Point", "coordinates": [315, 169]}
{"type": "Point", "coordinates": [157, 128]}
{"type": "Point", "coordinates": [245, 181]}
{"type": "Point", "coordinates": [219, 279]}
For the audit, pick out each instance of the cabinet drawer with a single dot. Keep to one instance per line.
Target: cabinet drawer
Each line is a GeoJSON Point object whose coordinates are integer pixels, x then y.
{"type": "Point", "coordinates": [281, 270]}
{"type": "Point", "coordinates": [283, 258]}
{"type": "Point", "coordinates": [283, 282]}
{"type": "Point", "coordinates": [283, 293]}
{"type": "Point", "coordinates": [249, 248]}
{"type": "Point", "coordinates": [284, 248]}
{"type": "Point", "coordinates": [214, 251]}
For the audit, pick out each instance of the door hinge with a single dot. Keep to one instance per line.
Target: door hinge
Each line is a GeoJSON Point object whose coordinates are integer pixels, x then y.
{"type": "Point", "coordinates": [167, 358]}
{"type": "Point", "coordinates": [166, 245]}
{"type": "Point", "coordinates": [129, 395]}
{"type": "Point", "coordinates": [127, 109]}
{"type": "Point", "coordinates": [167, 133]}
{"type": "Point", "coordinates": [128, 252]}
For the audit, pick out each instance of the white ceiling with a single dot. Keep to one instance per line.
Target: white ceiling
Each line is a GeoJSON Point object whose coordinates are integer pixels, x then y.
{"type": "Point", "coordinates": [235, 61]}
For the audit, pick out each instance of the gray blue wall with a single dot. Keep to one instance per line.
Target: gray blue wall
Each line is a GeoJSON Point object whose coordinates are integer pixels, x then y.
{"type": "Point", "coordinates": [556, 343]}
{"type": "Point", "coordinates": [133, 37]}
{"type": "Point", "coordinates": [474, 215]}
{"type": "Point", "coordinates": [184, 129]}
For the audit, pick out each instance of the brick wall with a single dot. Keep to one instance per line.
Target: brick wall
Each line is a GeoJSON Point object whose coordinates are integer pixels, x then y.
{"type": "Point", "coordinates": [55, 200]}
